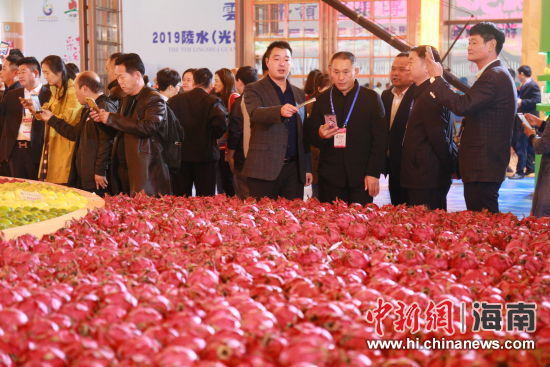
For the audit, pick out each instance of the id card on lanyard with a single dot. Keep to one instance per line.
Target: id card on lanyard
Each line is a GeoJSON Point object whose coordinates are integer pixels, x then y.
{"type": "Point", "coordinates": [341, 136]}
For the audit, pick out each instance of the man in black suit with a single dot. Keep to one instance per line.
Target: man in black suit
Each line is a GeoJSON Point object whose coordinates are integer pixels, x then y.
{"type": "Point", "coordinates": [426, 165]}
{"type": "Point", "coordinates": [238, 117]}
{"type": "Point", "coordinates": [8, 74]}
{"type": "Point", "coordinates": [113, 90]}
{"type": "Point", "coordinates": [489, 109]}
{"type": "Point", "coordinates": [528, 97]}
{"type": "Point", "coordinates": [22, 134]}
{"type": "Point", "coordinates": [347, 124]}
{"type": "Point", "coordinates": [278, 163]}
{"type": "Point", "coordinates": [397, 104]}
{"type": "Point", "coordinates": [204, 119]}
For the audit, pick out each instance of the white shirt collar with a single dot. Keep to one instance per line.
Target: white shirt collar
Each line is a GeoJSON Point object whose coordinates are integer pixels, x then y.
{"type": "Point", "coordinates": [34, 91]}
{"type": "Point", "coordinates": [393, 91]}
{"type": "Point", "coordinates": [163, 97]}
{"type": "Point", "coordinates": [484, 68]}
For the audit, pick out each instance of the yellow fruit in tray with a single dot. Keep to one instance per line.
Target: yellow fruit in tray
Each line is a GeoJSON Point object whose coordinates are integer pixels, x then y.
{"type": "Point", "coordinates": [29, 194]}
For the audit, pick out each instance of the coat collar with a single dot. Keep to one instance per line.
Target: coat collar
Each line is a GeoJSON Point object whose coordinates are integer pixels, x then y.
{"type": "Point", "coordinates": [491, 64]}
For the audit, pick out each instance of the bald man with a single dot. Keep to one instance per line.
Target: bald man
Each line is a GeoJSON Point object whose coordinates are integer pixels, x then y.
{"type": "Point", "coordinates": [93, 141]}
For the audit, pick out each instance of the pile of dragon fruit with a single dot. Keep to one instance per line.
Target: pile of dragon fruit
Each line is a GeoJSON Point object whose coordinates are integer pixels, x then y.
{"type": "Point", "coordinates": [220, 282]}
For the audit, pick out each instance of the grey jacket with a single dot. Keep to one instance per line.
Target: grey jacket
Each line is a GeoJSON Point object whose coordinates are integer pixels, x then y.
{"type": "Point", "coordinates": [268, 138]}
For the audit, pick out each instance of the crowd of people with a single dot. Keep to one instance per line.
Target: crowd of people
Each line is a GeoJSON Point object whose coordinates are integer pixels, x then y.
{"type": "Point", "coordinates": [259, 136]}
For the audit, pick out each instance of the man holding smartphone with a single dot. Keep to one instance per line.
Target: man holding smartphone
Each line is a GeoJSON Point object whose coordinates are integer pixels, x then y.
{"type": "Point", "coordinates": [489, 110]}
{"type": "Point", "coordinates": [278, 163]}
{"type": "Point", "coordinates": [22, 134]}
{"type": "Point", "coordinates": [347, 124]}
{"type": "Point", "coordinates": [93, 142]}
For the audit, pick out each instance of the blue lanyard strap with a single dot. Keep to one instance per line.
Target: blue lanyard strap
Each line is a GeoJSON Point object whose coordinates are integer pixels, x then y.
{"type": "Point", "coordinates": [350, 109]}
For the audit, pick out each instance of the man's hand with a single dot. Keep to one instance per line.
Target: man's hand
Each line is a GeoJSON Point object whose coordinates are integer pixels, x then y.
{"type": "Point", "coordinates": [434, 68]}
{"type": "Point", "coordinates": [45, 115]}
{"type": "Point", "coordinates": [372, 185]}
{"type": "Point", "coordinates": [533, 120]}
{"type": "Point", "coordinates": [528, 131]}
{"type": "Point", "coordinates": [288, 110]}
{"type": "Point", "coordinates": [27, 104]}
{"type": "Point", "coordinates": [99, 116]}
{"type": "Point", "coordinates": [309, 178]}
{"type": "Point", "coordinates": [327, 131]}
{"type": "Point", "coordinates": [519, 102]}
{"type": "Point", "coordinates": [100, 182]}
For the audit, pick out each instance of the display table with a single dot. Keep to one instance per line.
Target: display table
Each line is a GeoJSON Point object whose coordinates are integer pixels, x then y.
{"type": "Point", "coordinates": [86, 200]}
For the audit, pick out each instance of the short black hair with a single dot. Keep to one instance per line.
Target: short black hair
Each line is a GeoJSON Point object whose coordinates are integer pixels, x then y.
{"type": "Point", "coordinates": [72, 70]}
{"type": "Point", "coordinates": [115, 56]}
{"type": "Point", "coordinates": [132, 62]}
{"type": "Point", "coordinates": [16, 52]}
{"type": "Point", "coordinates": [31, 62]}
{"type": "Point", "coordinates": [203, 77]}
{"type": "Point", "coordinates": [13, 59]}
{"type": "Point", "coordinates": [489, 31]}
{"type": "Point", "coordinates": [343, 55]}
{"type": "Point", "coordinates": [247, 74]}
{"type": "Point", "coordinates": [525, 70]}
{"type": "Point", "coordinates": [277, 44]}
{"type": "Point", "coordinates": [190, 70]}
{"type": "Point", "coordinates": [403, 54]}
{"type": "Point", "coordinates": [90, 80]}
{"type": "Point", "coordinates": [167, 77]}
{"type": "Point", "coordinates": [421, 52]}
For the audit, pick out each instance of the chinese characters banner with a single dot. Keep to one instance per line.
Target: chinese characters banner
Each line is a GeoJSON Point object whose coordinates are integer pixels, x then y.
{"type": "Point", "coordinates": [51, 28]}
{"type": "Point", "coordinates": [180, 34]}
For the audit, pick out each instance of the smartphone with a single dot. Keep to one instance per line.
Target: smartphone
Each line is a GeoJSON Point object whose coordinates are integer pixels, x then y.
{"type": "Point", "coordinates": [91, 104]}
{"type": "Point", "coordinates": [524, 120]}
{"type": "Point", "coordinates": [331, 120]}
{"type": "Point", "coordinates": [36, 103]}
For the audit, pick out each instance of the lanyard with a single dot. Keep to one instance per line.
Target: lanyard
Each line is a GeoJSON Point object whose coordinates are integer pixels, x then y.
{"type": "Point", "coordinates": [350, 109]}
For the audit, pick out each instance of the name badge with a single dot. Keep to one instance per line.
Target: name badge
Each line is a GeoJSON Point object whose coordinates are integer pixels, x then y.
{"type": "Point", "coordinates": [340, 138]}
{"type": "Point", "coordinates": [331, 120]}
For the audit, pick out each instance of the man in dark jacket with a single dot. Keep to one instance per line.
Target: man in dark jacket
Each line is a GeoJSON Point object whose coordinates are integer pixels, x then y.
{"type": "Point", "coordinates": [347, 124]}
{"type": "Point", "coordinates": [8, 73]}
{"type": "Point", "coordinates": [489, 109]}
{"type": "Point", "coordinates": [137, 160]}
{"type": "Point", "coordinates": [204, 120]}
{"type": "Point", "coordinates": [114, 92]}
{"type": "Point", "coordinates": [397, 104]}
{"type": "Point", "coordinates": [22, 135]}
{"type": "Point", "coordinates": [426, 164]}
{"type": "Point", "coordinates": [93, 141]}
{"type": "Point", "coordinates": [528, 97]}
{"type": "Point", "coordinates": [245, 75]}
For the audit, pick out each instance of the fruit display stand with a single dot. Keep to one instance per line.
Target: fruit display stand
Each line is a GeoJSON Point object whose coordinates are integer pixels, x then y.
{"type": "Point", "coordinates": [85, 201]}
